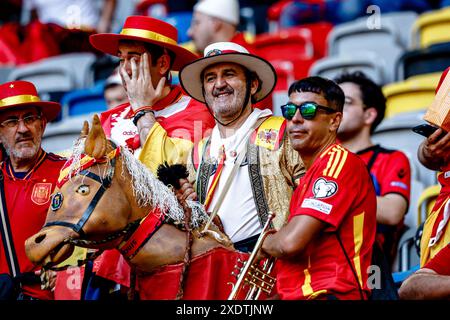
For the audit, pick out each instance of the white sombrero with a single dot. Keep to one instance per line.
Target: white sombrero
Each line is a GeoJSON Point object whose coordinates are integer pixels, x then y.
{"type": "Point", "coordinates": [227, 52]}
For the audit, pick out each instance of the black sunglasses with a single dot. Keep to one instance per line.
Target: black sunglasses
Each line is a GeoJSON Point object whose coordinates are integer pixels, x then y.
{"type": "Point", "coordinates": [307, 109]}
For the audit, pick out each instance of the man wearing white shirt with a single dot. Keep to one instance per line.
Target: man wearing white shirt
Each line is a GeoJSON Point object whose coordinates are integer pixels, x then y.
{"type": "Point", "coordinates": [247, 167]}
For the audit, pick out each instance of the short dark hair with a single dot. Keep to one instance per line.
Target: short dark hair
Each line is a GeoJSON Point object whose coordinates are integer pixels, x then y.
{"type": "Point", "coordinates": [371, 94]}
{"type": "Point", "coordinates": [325, 87]}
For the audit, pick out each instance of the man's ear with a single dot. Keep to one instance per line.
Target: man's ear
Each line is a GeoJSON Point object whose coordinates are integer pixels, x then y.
{"type": "Point", "coordinates": [370, 114]}
{"type": "Point", "coordinates": [335, 121]}
{"type": "Point", "coordinates": [163, 64]}
{"type": "Point", "coordinates": [254, 85]}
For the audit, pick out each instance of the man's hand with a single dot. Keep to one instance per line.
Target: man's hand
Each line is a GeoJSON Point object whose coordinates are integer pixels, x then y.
{"type": "Point", "coordinates": [434, 152]}
{"type": "Point", "coordinates": [139, 87]}
{"type": "Point", "coordinates": [186, 191]}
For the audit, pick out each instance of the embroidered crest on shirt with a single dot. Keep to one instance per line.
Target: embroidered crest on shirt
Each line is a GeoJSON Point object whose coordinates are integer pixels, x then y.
{"type": "Point", "coordinates": [324, 189]}
{"type": "Point", "coordinates": [41, 193]}
{"type": "Point", "coordinates": [267, 138]}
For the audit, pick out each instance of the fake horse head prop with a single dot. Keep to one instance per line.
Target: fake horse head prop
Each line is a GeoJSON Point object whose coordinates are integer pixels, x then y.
{"type": "Point", "coordinates": [107, 199]}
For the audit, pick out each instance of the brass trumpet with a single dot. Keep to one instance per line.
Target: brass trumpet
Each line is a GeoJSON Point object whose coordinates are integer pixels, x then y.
{"type": "Point", "coordinates": [249, 273]}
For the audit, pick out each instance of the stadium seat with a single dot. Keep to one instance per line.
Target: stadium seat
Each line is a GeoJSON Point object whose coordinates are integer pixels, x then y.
{"type": "Point", "coordinates": [84, 101]}
{"type": "Point", "coordinates": [403, 22]}
{"type": "Point", "coordinates": [435, 58]}
{"type": "Point", "coordinates": [396, 133]}
{"type": "Point", "coordinates": [285, 76]}
{"type": "Point", "coordinates": [294, 45]}
{"type": "Point", "coordinates": [426, 202]}
{"type": "Point", "coordinates": [103, 67]}
{"type": "Point", "coordinates": [60, 136]}
{"type": "Point", "coordinates": [355, 36]}
{"type": "Point", "coordinates": [332, 66]}
{"type": "Point", "coordinates": [181, 21]}
{"type": "Point", "coordinates": [413, 94]}
{"type": "Point", "coordinates": [58, 74]}
{"type": "Point", "coordinates": [431, 28]}
{"type": "Point", "coordinates": [4, 73]}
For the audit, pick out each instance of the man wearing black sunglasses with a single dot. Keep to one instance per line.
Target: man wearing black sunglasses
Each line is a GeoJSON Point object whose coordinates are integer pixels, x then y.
{"type": "Point", "coordinates": [325, 249]}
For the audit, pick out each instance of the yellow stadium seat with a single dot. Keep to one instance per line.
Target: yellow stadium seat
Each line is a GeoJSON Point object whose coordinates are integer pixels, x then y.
{"type": "Point", "coordinates": [415, 93]}
{"type": "Point", "coordinates": [426, 202]}
{"type": "Point", "coordinates": [431, 28]}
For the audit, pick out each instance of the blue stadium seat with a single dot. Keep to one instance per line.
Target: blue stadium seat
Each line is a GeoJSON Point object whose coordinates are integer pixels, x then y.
{"type": "Point", "coordinates": [84, 101]}
{"type": "Point", "coordinates": [182, 21]}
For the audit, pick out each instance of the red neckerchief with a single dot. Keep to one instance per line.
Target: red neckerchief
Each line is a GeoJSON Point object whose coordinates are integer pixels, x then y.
{"type": "Point", "coordinates": [174, 95]}
{"type": "Point", "coordinates": [10, 171]}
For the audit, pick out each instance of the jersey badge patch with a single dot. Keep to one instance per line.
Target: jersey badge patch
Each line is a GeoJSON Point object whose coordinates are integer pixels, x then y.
{"type": "Point", "coordinates": [324, 189]}
{"type": "Point", "coordinates": [41, 193]}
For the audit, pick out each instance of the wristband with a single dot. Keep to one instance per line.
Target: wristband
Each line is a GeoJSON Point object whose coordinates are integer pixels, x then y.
{"type": "Point", "coordinates": [140, 114]}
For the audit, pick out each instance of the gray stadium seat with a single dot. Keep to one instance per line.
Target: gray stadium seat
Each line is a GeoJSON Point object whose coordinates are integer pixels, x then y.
{"type": "Point", "coordinates": [332, 66]}
{"type": "Point", "coordinates": [59, 73]}
{"type": "Point", "coordinates": [356, 37]}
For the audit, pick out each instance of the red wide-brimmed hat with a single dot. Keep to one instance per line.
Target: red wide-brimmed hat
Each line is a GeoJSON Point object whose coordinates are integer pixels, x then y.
{"type": "Point", "coordinates": [145, 29]}
{"type": "Point", "coordinates": [19, 94]}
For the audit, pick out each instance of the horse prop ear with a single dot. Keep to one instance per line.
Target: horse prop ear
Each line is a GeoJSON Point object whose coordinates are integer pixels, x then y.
{"type": "Point", "coordinates": [96, 142]}
{"type": "Point", "coordinates": [84, 130]}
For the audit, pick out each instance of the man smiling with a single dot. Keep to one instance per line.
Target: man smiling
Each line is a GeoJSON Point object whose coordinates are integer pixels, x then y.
{"type": "Point", "coordinates": [247, 167]}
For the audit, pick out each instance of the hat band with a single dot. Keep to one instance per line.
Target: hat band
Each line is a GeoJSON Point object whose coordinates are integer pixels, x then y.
{"type": "Point", "coordinates": [23, 98]}
{"type": "Point", "coordinates": [147, 35]}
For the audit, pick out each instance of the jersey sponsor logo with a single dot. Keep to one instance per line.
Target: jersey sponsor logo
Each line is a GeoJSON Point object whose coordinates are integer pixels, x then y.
{"type": "Point", "coordinates": [447, 174]}
{"type": "Point", "coordinates": [41, 193]}
{"type": "Point", "coordinates": [399, 184]}
{"type": "Point", "coordinates": [317, 205]}
{"type": "Point", "coordinates": [324, 189]}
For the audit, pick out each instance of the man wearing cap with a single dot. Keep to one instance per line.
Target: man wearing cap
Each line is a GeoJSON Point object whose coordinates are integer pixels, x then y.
{"type": "Point", "coordinates": [325, 249]}
{"type": "Point", "coordinates": [216, 21]}
{"type": "Point", "coordinates": [29, 175]}
{"type": "Point", "coordinates": [167, 121]}
{"type": "Point", "coordinates": [247, 166]}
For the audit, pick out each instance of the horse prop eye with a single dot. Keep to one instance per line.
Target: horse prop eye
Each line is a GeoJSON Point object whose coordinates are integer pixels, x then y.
{"type": "Point", "coordinates": [83, 190]}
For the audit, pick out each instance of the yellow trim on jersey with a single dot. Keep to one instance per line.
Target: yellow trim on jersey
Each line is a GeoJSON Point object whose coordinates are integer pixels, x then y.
{"type": "Point", "coordinates": [358, 225]}
{"type": "Point", "coordinates": [338, 156]}
{"type": "Point", "coordinates": [306, 287]}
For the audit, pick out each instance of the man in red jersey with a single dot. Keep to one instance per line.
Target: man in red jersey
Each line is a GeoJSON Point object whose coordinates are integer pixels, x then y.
{"type": "Point", "coordinates": [325, 249]}
{"type": "Point", "coordinates": [390, 170]}
{"type": "Point", "coordinates": [29, 177]}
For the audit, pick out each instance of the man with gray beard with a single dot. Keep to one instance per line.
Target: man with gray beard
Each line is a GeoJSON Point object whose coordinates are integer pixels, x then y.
{"type": "Point", "coordinates": [247, 167]}
{"type": "Point", "coordinates": [28, 177]}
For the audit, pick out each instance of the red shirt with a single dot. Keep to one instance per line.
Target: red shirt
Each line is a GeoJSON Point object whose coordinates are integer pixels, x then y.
{"type": "Point", "coordinates": [27, 201]}
{"type": "Point", "coordinates": [391, 173]}
{"type": "Point", "coordinates": [440, 262]}
{"type": "Point", "coordinates": [337, 190]}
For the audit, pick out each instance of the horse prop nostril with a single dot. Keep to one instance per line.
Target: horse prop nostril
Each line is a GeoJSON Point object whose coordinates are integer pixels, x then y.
{"type": "Point", "coordinates": [40, 238]}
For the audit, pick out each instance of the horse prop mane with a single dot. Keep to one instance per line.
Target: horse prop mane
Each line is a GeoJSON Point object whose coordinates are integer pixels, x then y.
{"type": "Point", "coordinates": [106, 199]}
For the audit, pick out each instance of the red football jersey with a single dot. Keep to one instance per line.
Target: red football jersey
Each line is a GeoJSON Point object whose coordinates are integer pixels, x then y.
{"type": "Point", "coordinates": [440, 262]}
{"type": "Point", "coordinates": [390, 171]}
{"type": "Point", "coordinates": [337, 190]}
{"type": "Point", "coordinates": [27, 201]}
